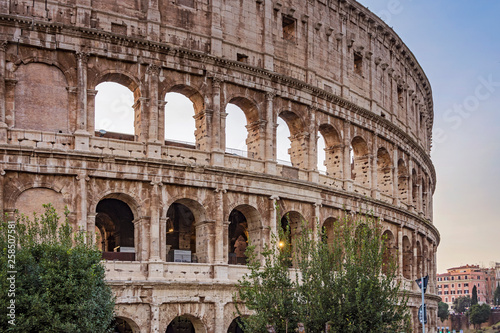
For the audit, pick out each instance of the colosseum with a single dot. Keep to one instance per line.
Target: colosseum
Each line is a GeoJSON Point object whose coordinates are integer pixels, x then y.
{"type": "Point", "coordinates": [175, 217]}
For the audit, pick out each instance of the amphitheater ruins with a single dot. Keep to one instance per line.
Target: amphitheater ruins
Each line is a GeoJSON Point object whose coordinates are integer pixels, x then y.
{"type": "Point", "coordinates": [175, 217]}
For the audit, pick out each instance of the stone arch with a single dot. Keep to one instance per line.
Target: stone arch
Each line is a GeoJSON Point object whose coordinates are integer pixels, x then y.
{"type": "Point", "coordinates": [390, 251]}
{"type": "Point", "coordinates": [407, 258]}
{"type": "Point", "coordinates": [298, 138]}
{"type": "Point", "coordinates": [134, 120]}
{"type": "Point", "coordinates": [402, 180]}
{"type": "Point", "coordinates": [360, 161]}
{"type": "Point", "coordinates": [255, 131]}
{"type": "Point", "coordinates": [201, 135]}
{"type": "Point", "coordinates": [419, 260]}
{"type": "Point", "coordinates": [197, 324]}
{"type": "Point", "coordinates": [384, 171]}
{"type": "Point", "coordinates": [292, 221]}
{"type": "Point", "coordinates": [244, 226]}
{"type": "Point", "coordinates": [132, 326]}
{"type": "Point", "coordinates": [333, 150]}
{"type": "Point", "coordinates": [39, 80]}
{"type": "Point", "coordinates": [234, 326]}
{"type": "Point", "coordinates": [31, 200]}
{"type": "Point", "coordinates": [187, 235]}
{"type": "Point", "coordinates": [132, 202]}
{"type": "Point", "coordinates": [115, 222]}
{"type": "Point", "coordinates": [329, 230]}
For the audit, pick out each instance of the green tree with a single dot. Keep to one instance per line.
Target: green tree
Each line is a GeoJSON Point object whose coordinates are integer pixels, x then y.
{"type": "Point", "coordinates": [350, 283]}
{"type": "Point", "coordinates": [59, 278]}
{"type": "Point", "coordinates": [443, 311]}
{"type": "Point", "coordinates": [474, 296]}
{"type": "Point", "coordinates": [496, 295]}
{"type": "Point", "coordinates": [460, 304]}
{"type": "Point", "coordinates": [479, 314]}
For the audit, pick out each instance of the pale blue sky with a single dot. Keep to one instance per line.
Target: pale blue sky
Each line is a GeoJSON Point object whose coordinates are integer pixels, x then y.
{"type": "Point", "coordinates": [458, 47]}
{"type": "Point", "coordinates": [457, 44]}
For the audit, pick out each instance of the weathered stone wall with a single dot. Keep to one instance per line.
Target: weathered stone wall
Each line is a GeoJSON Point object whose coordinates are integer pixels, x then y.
{"type": "Point", "coordinates": [329, 67]}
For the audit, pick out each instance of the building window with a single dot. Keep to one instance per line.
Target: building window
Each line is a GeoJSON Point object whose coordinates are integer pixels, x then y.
{"type": "Point", "coordinates": [466, 277]}
{"type": "Point", "coordinates": [452, 285]}
{"type": "Point", "coordinates": [446, 299]}
{"type": "Point", "coordinates": [459, 285]}
{"type": "Point", "coordinates": [466, 284]}
{"type": "Point", "coordinates": [466, 291]}
{"type": "Point", "coordinates": [453, 278]}
{"type": "Point", "coordinates": [358, 63]}
{"type": "Point", "coordinates": [289, 24]}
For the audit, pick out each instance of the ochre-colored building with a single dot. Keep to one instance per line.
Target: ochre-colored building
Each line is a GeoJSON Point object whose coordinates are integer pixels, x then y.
{"type": "Point", "coordinates": [174, 218]}
{"type": "Point", "coordinates": [459, 281]}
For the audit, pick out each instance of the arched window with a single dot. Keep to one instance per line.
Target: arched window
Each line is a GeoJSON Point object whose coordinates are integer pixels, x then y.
{"type": "Point", "coordinates": [330, 150]}
{"type": "Point", "coordinates": [116, 229]}
{"type": "Point", "coordinates": [238, 238]}
{"type": "Point", "coordinates": [283, 143]}
{"type": "Point", "coordinates": [114, 114]}
{"type": "Point", "coordinates": [384, 171]}
{"type": "Point", "coordinates": [360, 164]}
{"type": "Point", "coordinates": [237, 133]}
{"type": "Point", "coordinates": [181, 234]}
{"type": "Point", "coordinates": [179, 120]}
{"type": "Point", "coordinates": [402, 181]}
{"type": "Point", "coordinates": [298, 149]}
{"type": "Point", "coordinates": [407, 258]}
{"type": "Point", "coordinates": [390, 252]}
{"type": "Point", "coordinates": [180, 324]}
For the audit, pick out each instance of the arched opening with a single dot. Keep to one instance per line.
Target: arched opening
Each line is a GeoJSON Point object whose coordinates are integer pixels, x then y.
{"type": "Point", "coordinates": [235, 326]}
{"type": "Point", "coordinates": [414, 190]}
{"type": "Point", "coordinates": [179, 121]}
{"type": "Point", "coordinates": [244, 133]}
{"type": "Point", "coordinates": [329, 231]}
{"type": "Point", "coordinates": [407, 258]}
{"type": "Point", "coordinates": [330, 145]}
{"type": "Point", "coordinates": [181, 234]}
{"type": "Point", "coordinates": [420, 260]}
{"type": "Point", "coordinates": [390, 251]}
{"type": "Point", "coordinates": [121, 325]}
{"type": "Point", "coordinates": [291, 223]}
{"type": "Point", "coordinates": [238, 238]}
{"type": "Point", "coordinates": [424, 196]}
{"type": "Point", "coordinates": [282, 143]}
{"type": "Point", "coordinates": [184, 119]}
{"type": "Point", "coordinates": [360, 162]}
{"type": "Point", "coordinates": [181, 324]}
{"type": "Point", "coordinates": [298, 150]}
{"type": "Point", "coordinates": [244, 226]}
{"type": "Point", "coordinates": [114, 220]}
{"type": "Point", "coordinates": [384, 171]}
{"type": "Point", "coordinates": [114, 113]}
{"type": "Point", "coordinates": [402, 181]}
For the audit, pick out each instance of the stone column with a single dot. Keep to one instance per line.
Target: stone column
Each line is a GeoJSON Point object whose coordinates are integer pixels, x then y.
{"type": "Point", "coordinates": [401, 250]}
{"type": "Point", "coordinates": [81, 217]}
{"type": "Point", "coordinates": [219, 317]}
{"type": "Point", "coordinates": [140, 107]}
{"type": "Point", "coordinates": [374, 166]}
{"type": "Point", "coordinates": [317, 220]}
{"type": "Point", "coordinates": [273, 216]}
{"type": "Point", "coordinates": [219, 217]}
{"type": "Point", "coordinates": [216, 31]}
{"type": "Point", "coordinates": [395, 178]}
{"type": "Point", "coordinates": [410, 184]}
{"type": "Point", "coordinates": [155, 317]}
{"type": "Point", "coordinates": [82, 137]}
{"type": "Point", "coordinates": [414, 271]}
{"type": "Point", "coordinates": [91, 94]}
{"type": "Point", "coordinates": [270, 136]}
{"type": "Point", "coordinates": [345, 64]}
{"type": "Point", "coordinates": [3, 97]}
{"type": "Point", "coordinates": [141, 238]}
{"type": "Point", "coordinates": [2, 184]}
{"type": "Point", "coordinates": [154, 226]}
{"type": "Point", "coordinates": [154, 144]}
{"type": "Point", "coordinates": [346, 158]}
{"type": "Point", "coordinates": [216, 127]}
{"type": "Point", "coordinates": [91, 227]}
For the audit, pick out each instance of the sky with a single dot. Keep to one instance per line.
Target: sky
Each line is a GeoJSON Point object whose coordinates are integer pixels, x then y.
{"type": "Point", "coordinates": [457, 44]}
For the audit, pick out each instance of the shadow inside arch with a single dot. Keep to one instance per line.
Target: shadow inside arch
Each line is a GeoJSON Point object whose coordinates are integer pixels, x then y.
{"type": "Point", "coordinates": [186, 324]}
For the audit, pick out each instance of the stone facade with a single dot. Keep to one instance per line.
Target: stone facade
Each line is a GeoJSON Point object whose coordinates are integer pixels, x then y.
{"type": "Point", "coordinates": [323, 66]}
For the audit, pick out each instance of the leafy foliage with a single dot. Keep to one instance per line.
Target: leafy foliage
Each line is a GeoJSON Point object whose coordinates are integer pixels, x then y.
{"type": "Point", "coordinates": [443, 311]}
{"type": "Point", "coordinates": [479, 314]}
{"type": "Point", "coordinates": [59, 284]}
{"type": "Point", "coordinates": [474, 296]}
{"type": "Point", "coordinates": [349, 283]}
{"type": "Point", "coordinates": [460, 304]}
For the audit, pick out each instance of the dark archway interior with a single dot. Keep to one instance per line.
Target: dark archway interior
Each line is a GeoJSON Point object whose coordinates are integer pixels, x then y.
{"type": "Point", "coordinates": [181, 234]}
{"type": "Point", "coordinates": [238, 238]}
{"type": "Point", "coordinates": [180, 325]}
{"type": "Point", "coordinates": [235, 326]}
{"type": "Point", "coordinates": [121, 326]}
{"type": "Point", "coordinates": [114, 221]}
